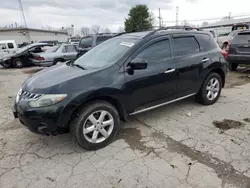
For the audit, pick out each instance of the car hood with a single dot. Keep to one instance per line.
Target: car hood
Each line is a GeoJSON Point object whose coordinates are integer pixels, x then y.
{"type": "Point", "coordinates": [55, 79]}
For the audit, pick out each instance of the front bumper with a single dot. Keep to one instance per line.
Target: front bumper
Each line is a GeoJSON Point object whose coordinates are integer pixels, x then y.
{"type": "Point", "coordinates": [42, 63]}
{"type": "Point", "coordinates": [42, 120]}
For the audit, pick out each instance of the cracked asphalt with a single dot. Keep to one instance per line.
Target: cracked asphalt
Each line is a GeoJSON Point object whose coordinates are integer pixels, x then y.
{"type": "Point", "coordinates": [174, 146]}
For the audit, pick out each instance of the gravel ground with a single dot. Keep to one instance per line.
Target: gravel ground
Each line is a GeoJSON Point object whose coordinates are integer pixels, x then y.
{"type": "Point", "coordinates": [181, 145]}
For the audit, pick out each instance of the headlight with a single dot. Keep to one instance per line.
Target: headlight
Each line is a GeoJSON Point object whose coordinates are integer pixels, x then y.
{"type": "Point", "coordinates": [18, 95]}
{"type": "Point", "coordinates": [47, 100]}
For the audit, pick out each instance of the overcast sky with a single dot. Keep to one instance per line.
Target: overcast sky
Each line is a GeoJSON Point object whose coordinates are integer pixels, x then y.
{"type": "Point", "coordinates": [111, 13]}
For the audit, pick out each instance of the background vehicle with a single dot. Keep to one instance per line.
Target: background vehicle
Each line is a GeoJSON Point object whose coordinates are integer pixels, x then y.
{"type": "Point", "coordinates": [239, 50]}
{"type": "Point", "coordinates": [126, 75]}
{"type": "Point", "coordinates": [74, 40]}
{"type": "Point", "coordinates": [90, 41]}
{"type": "Point", "coordinates": [22, 56]}
{"type": "Point", "coordinates": [52, 56]}
{"type": "Point", "coordinates": [6, 47]}
{"type": "Point", "coordinates": [223, 41]}
{"type": "Point", "coordinates": [240, 26]}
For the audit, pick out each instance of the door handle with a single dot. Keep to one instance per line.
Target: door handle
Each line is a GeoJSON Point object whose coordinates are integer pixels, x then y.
{"type": "Point", "coordinates": [205, 60]}
{"type": "Point", "coordinates": [169, 71]}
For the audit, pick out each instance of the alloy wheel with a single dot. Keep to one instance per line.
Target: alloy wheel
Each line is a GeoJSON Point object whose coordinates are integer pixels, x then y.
{"type": "Point", "coordinates": [213, 88]}
{"type": "Point", "coordinates": [98, 126]}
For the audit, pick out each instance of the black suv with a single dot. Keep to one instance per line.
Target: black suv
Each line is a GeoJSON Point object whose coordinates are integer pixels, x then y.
{"type": "Point", "coordinates": [128, 74]}
{"type": "Point", "coordinates": [239, 50]}
{"type": "Point", "coordinates": [90, 41]}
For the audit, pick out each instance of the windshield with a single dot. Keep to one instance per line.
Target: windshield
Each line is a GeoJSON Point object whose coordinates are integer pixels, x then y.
{"type": "Point", "coordinates": [24, 48]}
{"type": "Point", "coordinates": [53, 49]}
{"type": "Point", "coordinates": [106, 53]}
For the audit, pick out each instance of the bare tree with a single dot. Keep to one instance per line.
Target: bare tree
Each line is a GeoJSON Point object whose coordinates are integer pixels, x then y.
{"type": "Point", "coordinates": [95, 29]}
{"type": "Point", "coordinates": [120, 29]}
{"type": "Point", "coordinates": [107, 30]}
{"type": "Point", "coordinates": [85, 30]}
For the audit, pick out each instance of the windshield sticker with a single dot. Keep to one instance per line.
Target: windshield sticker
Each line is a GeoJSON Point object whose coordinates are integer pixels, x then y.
{"type": "Point", "coordinates": [128, 44]}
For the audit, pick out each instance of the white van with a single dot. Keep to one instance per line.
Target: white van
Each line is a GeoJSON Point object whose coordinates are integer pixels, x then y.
{"type": "Point", "coordinates": [7, 46]}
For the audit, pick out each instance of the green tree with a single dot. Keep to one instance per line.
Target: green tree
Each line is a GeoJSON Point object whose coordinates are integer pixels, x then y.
{"type": "Point", "coordinates": [139, 19]}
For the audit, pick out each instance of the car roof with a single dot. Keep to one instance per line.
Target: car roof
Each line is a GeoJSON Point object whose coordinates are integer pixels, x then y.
{"type": "Point", "coordinates": [143, 34]}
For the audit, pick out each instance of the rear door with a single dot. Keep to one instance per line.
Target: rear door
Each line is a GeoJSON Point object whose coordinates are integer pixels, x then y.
{"type": "Point", "coordinates": [69, 52]}
{"type": "Point", "coordinates": [240, 44]}
{"type": "Point", "coordinates": [190, 59]}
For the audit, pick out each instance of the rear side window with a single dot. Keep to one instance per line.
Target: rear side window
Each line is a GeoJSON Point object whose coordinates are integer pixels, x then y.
{"type": "Point", "coordinates": [10, 45]}
{"type": "Point", "coordinates": [70, 48]}
{"type": "Point", "coordinates": [156, 52]}
{"type": "Point", "coordinates": [86, 42]}
{"type": "Point", "coordinates": [101, 39]}
{"type": "Point", "coordinates": [185, 45]}
{"type": "Point", "coordinates": [241, 38]}
{"type": "Point", "coordinates": [206, 42]}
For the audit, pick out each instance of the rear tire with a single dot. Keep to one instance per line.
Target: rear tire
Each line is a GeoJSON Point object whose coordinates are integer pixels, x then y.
{"type": "Point", "coordinates": [93, 131]}
{"type": "Point", "coordinates": [210, 90]}
{"type": "Point", "coordinates": [17, 63]}
{"type": "Point", "coordinates": [232, 66]}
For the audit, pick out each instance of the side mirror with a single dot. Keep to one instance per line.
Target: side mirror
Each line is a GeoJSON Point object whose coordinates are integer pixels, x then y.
{"type": "Point", "coordinates": [138, 64]}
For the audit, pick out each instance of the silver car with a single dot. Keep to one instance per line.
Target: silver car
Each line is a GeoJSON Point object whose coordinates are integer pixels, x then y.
{"type": "Point", "coordinates": [58, 53]}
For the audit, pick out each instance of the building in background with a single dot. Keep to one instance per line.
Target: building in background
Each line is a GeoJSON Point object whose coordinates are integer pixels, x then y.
{"type": "Point", "coordinates": [27, 35]}
{"type": "Point", "coordinates": [225, 26]}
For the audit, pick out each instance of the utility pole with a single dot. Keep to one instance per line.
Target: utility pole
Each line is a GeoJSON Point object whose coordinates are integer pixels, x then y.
{"type": "Point", "coordinates": [177, 16]}
{"type": "Point", "coordinates": [159, 18]}
{"type": "Point", "coordinates": [24, 20]}
{"type": "Point", "coordinates": [229, 15]}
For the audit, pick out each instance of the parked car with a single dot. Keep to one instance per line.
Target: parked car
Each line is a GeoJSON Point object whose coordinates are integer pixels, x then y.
{"type": "Point", "coordinates": [90, 41]}
{"type": "Point", "coordinates": [126, 75]}
{"type": "Point", "coordinates": [22, 57]}
{"type": "Point", "coordinates": [52, 56]}
{"type": "Point", "coordinates": [239, 50]}
{"type": "Point", "coordinates": [223, 41]}
{"type": "Point", "coordinates": [6, 47]}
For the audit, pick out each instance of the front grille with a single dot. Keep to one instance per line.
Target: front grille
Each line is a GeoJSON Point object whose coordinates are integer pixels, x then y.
{"type": "Point", "coordinates": [29, 96]}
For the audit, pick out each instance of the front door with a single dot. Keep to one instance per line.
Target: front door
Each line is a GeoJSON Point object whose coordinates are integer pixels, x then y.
{"type": "Point", "coordinates": [156, 84]}
{"type": "Point", "coordinates": [3, 50]}
{"type": "Point", "coordinates": [190, 60]}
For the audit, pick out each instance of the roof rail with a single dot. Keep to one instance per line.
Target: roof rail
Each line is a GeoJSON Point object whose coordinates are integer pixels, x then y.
{"type": "Point", "coordinates": [187, 28]}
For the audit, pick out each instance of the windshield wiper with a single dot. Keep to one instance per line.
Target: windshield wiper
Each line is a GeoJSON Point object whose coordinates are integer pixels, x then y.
{"type": "Point", "coordinates": [79, 66]}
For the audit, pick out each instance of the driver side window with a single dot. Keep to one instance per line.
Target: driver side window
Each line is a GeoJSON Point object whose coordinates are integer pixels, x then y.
{"type": "Point", "coordinates": [156, 52]}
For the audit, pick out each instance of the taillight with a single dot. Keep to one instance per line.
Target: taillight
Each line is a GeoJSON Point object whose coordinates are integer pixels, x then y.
{"type": "Point", "coordinates": [224, 53]}
{"type": "Point", "coordinates": [39, 58]}
{"type": "Point", "coordinates": [227, 47]}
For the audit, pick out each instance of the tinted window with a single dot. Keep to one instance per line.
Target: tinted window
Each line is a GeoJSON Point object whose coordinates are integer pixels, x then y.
{"type": "Point", "coordinates": [101, 39]}
{"type": "Point", "coordinates": [2, 46]}
{"type": "Point", "coordinates": [70, 48]}
{"type": "Point", "coordinates": [86, 42]}
{"type": "Point", "coordinates": [185, 45]}
{"type": "Point", "coordinates": [241, 38]}
{"type": "Point", "coordinates": [156, 52]}
{"type": "Point", "coordinates": [10, 45]}
{"type": "Point", "coordinates": [206, 42]}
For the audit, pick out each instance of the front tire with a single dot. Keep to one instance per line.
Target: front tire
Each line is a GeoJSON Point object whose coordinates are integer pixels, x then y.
{"type": "Point", "coordinates": [210, 90]}
{"type": "Point", "coordinates": [96, 125]}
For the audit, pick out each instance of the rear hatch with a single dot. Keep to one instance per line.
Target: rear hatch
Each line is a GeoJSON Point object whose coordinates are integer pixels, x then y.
{"type": "Point", "coordinates": [240, 44]}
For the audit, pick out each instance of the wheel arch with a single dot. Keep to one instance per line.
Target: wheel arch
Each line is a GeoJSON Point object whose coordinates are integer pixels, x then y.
{"type": "Point", "coordinates": [221, 73]}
